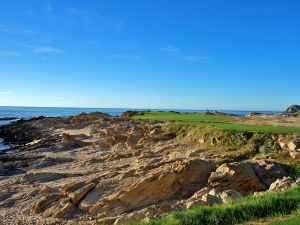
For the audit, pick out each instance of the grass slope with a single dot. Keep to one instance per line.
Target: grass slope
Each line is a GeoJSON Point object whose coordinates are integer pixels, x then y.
{"type": "Point", "coordinates": [220, 121]}
{"type": "Point", "coordinates": [237, 212]}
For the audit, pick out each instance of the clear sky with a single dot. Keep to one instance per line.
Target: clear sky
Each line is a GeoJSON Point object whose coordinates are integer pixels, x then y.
{"type": "Point", "coordinates": [188, 54]}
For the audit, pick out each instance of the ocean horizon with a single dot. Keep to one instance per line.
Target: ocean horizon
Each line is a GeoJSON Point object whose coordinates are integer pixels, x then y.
{"type": "Point", "coordinates": [23, 112]}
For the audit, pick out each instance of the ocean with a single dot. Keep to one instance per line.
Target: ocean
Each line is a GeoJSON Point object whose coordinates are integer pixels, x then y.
{"type": "Point", "coordinates": [30, 112]}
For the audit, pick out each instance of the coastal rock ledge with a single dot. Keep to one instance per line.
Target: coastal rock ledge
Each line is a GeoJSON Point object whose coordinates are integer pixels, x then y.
{"type": "Point", "coordinates": [99, 168]}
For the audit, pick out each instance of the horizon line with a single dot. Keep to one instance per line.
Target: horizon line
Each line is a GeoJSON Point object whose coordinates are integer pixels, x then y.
{"type": "Point", "coordinates": [140, 108]}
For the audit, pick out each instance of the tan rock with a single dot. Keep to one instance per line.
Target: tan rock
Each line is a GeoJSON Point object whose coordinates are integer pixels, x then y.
{"type": "Point", "coordinates": [283, 184]}
{"type": "Point", "coordinates": [92, 198]}
{"type": "Point", "coordinates": [230, 195]}
{"type": "Point", "coordinates": [211, 199]}
{"type": "Point", "coordinates": [293, 145]}
{"type": "Point", "coordinates": [79, 194]}
{"type": "Point", "coordinates": [44, 203]}
{"type": "Point", "coordinates": [41, 177]}
{"type": "Point", "coordinates": [68, 208]}
{"type": "Point", "coordinates": [282, 145]}
{"type": "Point", "coordinates": [195, 153]}
{"type": "Point", "coordinates": [295, 154]}
{"type": "Point", "coordinates": [201, 140]}
{"type": "Point", "coordinates": [71, 187]}
{"type": "Point", "coordinates": [268, 171]}
{"type": "Point", "coordinates": [158, 186]}
{"type": "Point", "coordinates": [236, 176]}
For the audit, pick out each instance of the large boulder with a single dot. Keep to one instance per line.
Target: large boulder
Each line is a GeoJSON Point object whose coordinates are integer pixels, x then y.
{"type": "Point", "coordinates": [245, 177]}
{"type": "Point", "coordinates": [179, 180]}
{"type": "Point", "coordinates": [293, 109]}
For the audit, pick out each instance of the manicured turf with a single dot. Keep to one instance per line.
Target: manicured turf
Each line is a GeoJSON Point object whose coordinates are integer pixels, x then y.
{"type": "Point", "coordinates": [187, 117]}
{"type": "Point", "coordinates": [237, 212]}
{"type": "Point", "coordinates": [221, 121]}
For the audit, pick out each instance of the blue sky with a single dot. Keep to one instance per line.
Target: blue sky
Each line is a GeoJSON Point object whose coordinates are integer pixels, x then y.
{"type": "Point", "coordinates": [188, 54]}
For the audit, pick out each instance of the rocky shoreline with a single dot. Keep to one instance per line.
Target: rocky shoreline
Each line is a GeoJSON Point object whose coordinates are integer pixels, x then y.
{"type": "Point", "coordinates": [99, 168]}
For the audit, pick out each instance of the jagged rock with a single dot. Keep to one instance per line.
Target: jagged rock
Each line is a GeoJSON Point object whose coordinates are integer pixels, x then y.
{"type": "Point", "coordinates": [236, 176]}
{"type": "Point", "coordinates": [44, 203]}
{"type": "Point", "coordinates": [68, 208]}
{"type": "Point", "coordinates": [293, 145]}
{"type": "Point", "coordinates": [282, 145]}
{"type": "Point", "coordinates": [211, 199]}
{"type": "Point", "coordinates": [193, 202]}
{"type": "Point", "coordinates": [71, 187]}
{"type": "Point", "coordinates": [43, 177]}
{"type": "Point", "coordinates": [79, 194]}
{"type": "Point", "coordinates": [229, 195]}
{"type": "Point", "coordinates": [195, 153]}
{"type": "Point", "coordinates": [47, 190]}
{"type": "Point", "coordinates": [283, 184]}
{"type": "Point", "coordinates": [58, 208]}
{"type": "Point", "coordinates": [158, 186]}
{"type": "Point", "coordinates": [92, 198]}
{"type": "Point", "coordinates": [246, 177]}
{"type": "Point", "coordinates": [50, 161]}
{"type": "Point", "coordinates": [295, 154]}
{"type": "Point", "coordinates": [293, 109]}
{"type": "Point", "coordinates": [268, 171]}
{"type": "Point", "coordinates": [146, 213]}
{"type": "Point", "coordinates": [133, 139]}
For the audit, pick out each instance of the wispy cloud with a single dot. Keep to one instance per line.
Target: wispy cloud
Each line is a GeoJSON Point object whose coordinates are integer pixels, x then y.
{"type": "Point", "coordinates": [82, 14]}
{"type": "Point", "coordinates": [126, 56]}
{"type": "Point", "coordinates": [6, 92]}
{"type": "Point", "coordinates": [47, 50]}
{"type": "Point", "coordinates": [10, 54]}
{"type": "Point", "coordinates": [175, 53]}
{"type": "Point", "coordinates": [170, 49]}
{"type": "Point", "coordinates": [40, 49]}
{"type": "Point", "coordinates": [193, 58]}
{"type": "Point", "coordinates": [115, 23]}
{"type": "Point", "coordinates": [17, 31]}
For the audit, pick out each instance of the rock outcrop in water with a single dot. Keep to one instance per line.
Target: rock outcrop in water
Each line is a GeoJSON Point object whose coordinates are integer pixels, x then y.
{"type": "Point", "coordinates": [98, 168]}
{"type": "Point", "coordinates": [293, 109]}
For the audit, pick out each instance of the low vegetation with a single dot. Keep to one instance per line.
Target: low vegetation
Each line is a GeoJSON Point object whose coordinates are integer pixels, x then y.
{"type": "Point", "coordinates": [225, 122]}
{"type": "Point", "coordinates": [236, 212]}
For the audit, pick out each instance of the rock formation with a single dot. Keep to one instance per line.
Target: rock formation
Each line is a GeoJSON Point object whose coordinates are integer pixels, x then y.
{"type": "Point", "coordinates": [115, 170]}
{"type": "Point", "coordinates": [293, 109]}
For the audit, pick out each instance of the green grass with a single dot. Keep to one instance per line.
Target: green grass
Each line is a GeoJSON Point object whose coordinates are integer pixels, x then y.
{"type": "Point", "coordinates": [293, 170]}
{"type": "Point", "coordinates": [237, 212]}
{"type": "Point", "coordinates": [292, 220]}
{"type": "Point", "coordinates": [187, 117]}
{"type": "Point", "coordinates": [220, 121]}
{"type": "Point", "coordinates": [262, 129]}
